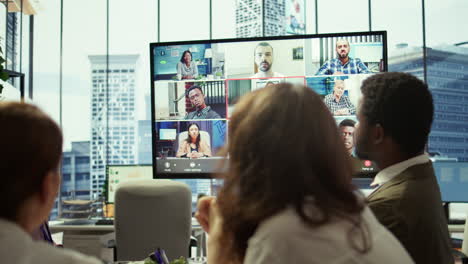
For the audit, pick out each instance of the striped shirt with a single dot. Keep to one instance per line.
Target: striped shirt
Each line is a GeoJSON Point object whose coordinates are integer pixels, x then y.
{"type": "Point", "coordinates": [344, 102]}
{"type": "Point", "coordinates": [353, 66]}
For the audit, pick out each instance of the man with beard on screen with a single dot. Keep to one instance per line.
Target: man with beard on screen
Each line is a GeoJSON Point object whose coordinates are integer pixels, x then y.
{"type": "Point", "coordinates": [264, 60]}
{"type": "Point", "coordinates": [343, 64]}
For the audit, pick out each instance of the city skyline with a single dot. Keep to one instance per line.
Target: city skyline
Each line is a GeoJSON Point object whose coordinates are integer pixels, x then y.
{"type": "Point", "coordinates": [113, 119]}
{"type": "Point", "coordinates": [76, 79]}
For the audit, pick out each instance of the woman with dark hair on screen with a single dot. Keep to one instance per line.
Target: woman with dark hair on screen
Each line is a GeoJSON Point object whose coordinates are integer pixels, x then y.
{"type": "Point", "coordinates": [287, 196]}
{"type": "Point", "coordinates": [193, 147]}
{"type": "Point", "coordinates": [186, 68]}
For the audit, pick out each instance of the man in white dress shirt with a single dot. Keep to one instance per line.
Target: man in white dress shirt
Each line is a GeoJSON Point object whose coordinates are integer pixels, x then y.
{"type": "Point", "coordinates": [30, 154]}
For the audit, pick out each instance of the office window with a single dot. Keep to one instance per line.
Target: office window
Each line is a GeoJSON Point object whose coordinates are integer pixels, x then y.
{"type": "Point", "coordinates": [224, 19]}
{"type": "Point", "coordinates": [310, 17]}
{"type": "Point", "coordinates": [342, 16]}
{"type": "Point", "coordinates": [46, 61]}
{"type": "Point", "coordinates": [82, 160]}
{"type": "Point", "coordinates": [404, 34]}
{"type": "Point", "coordinates": [66, 177]}
{"type": "Point", "coordinates": [447, 59]}
{"type": "Point", "coordinates": [82, 176]}
{"type": "Point", "coordinates": [184, 20]}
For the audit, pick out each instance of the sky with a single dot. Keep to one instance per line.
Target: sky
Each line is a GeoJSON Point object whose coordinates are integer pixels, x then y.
{"type": "Point", "coordinates": [133, 25]}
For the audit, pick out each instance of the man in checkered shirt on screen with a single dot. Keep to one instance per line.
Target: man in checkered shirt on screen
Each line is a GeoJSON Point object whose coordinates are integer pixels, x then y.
{"type": "Point", "coordinates": [343, 64]}
{"type": "Point", "coordinates": [338, 102]}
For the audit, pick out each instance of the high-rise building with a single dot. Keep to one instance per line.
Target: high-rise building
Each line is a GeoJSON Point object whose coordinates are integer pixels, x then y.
{"type": "Point", "coordinates": [11, 52]}
{"type": "Point", "coordinates": [145, 150]}
{"type": "Point", "coordinates": [447, 77]}
{"type": "Point", "coordinates": [113, 121]}
{"type": "Point", "coordinates": [144, 142]}
{"type": "Point", "coordinates": [75, 183]}
{"type": "Point", "coordinates": [147, 107]}
{"type": "Point", "coordinates": [255, 18]}
{"type": "Point", "coordinates": [198, 186]}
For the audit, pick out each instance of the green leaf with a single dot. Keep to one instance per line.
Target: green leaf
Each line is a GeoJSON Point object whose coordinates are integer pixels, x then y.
{"type": "Point", "coordinates": [180, 260]}
{"type": "Point", "coordinates": [4, 76]}
{"type": "Point", "coordinates": [149, 261]}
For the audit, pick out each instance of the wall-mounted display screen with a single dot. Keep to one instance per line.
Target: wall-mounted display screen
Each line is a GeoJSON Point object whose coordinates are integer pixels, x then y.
{"type": "Point", "coordinates": [196, 85]}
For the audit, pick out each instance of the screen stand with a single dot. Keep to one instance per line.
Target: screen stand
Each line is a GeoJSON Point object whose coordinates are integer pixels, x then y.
{"type": "Point", "coordinates": [447, 210]}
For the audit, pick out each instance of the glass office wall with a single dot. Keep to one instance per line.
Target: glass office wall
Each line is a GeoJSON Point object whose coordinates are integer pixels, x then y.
{"type": "Point", "coordinates": [447, 64]}
{"type": "Point", "coordinates": [100, 95]}
{"type": "Point", "coordinates": [342, 16]}
{"type": "Point", "coordinates": [404, 35]}
{"type": "Point", "coordinates": [223, 19]}
{"type": "Point", "coordinates": [186, 20]}
{"type": "Point", "coordinates": [82, 37]}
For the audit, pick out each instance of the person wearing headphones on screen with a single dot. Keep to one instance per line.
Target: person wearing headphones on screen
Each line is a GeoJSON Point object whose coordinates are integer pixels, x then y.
{"type": "Point", "coordinates": [343, 64]}
{"type": "Point", "coordinates": [286, 201]}
{"type": "Point", "coordinates": [264, 60]}
{"type": "Point", "coordinates": [30, 154]}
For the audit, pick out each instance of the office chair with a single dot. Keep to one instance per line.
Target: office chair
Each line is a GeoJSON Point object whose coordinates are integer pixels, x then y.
{"type": "Point", "coordinates": [151, 214]}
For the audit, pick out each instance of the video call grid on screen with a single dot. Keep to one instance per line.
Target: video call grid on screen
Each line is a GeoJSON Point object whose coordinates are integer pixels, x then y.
{"type": "Point", "coordinates": [221, 71]}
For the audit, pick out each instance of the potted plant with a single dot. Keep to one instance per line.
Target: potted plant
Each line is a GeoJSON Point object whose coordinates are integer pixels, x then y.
{"type": "Point", "coordinates": [3, 74]}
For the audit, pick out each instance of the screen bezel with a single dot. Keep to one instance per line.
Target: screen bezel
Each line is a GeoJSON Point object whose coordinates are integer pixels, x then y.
{"type": "Point", "coordinates": [158, 44]}
{"type": "Point", "coordinates": [445, 190]}
{"type": "Point", "coordinates": [109, 166]}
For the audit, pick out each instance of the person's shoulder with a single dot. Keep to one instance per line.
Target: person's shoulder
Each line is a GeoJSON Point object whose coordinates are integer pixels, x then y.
{"type": "Point", "coordinates": [277, 74]}
{"type": "Point", "coordinates": [391, 192]}
{"type": "Point", "coordinates": [47, 253]}
{"type": "Point", "coordinates": [288, 225]}
{"type": "Point", "coordinates": [328, 97]}
{"type": "Point", "coordinates": [421, 182]}
{"type": "Point", "coordinates": [190, 115]}
{"type": "Point", "coordinates": [212, 113]}
{"type": "Point", "coordinates": [70, 256]}
{"type": "Point", "coordinates": [418, 176]}
{"type": "Point", "coordinates": [277, 225]}
{"type": "Point", "coordinates": [357, 61]}
{"type": "Point", "coordinates": [423, 170]}
{"type": "Point", "coordinates": [384, 247]}
{"type": "Point", "coordinates": [329, 61]}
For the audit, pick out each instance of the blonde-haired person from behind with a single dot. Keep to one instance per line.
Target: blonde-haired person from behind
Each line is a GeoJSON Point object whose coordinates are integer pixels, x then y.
{"type": "Point", "coordinates": [30, 154]}
{"type": "Point", "coordinates": [288, 195]}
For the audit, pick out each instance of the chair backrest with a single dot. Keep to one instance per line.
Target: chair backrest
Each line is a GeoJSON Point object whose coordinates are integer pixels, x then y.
{"type": "Point", "coordinates": [151, 214]}
{"type": "Point", "coordinates": [205, 136]}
